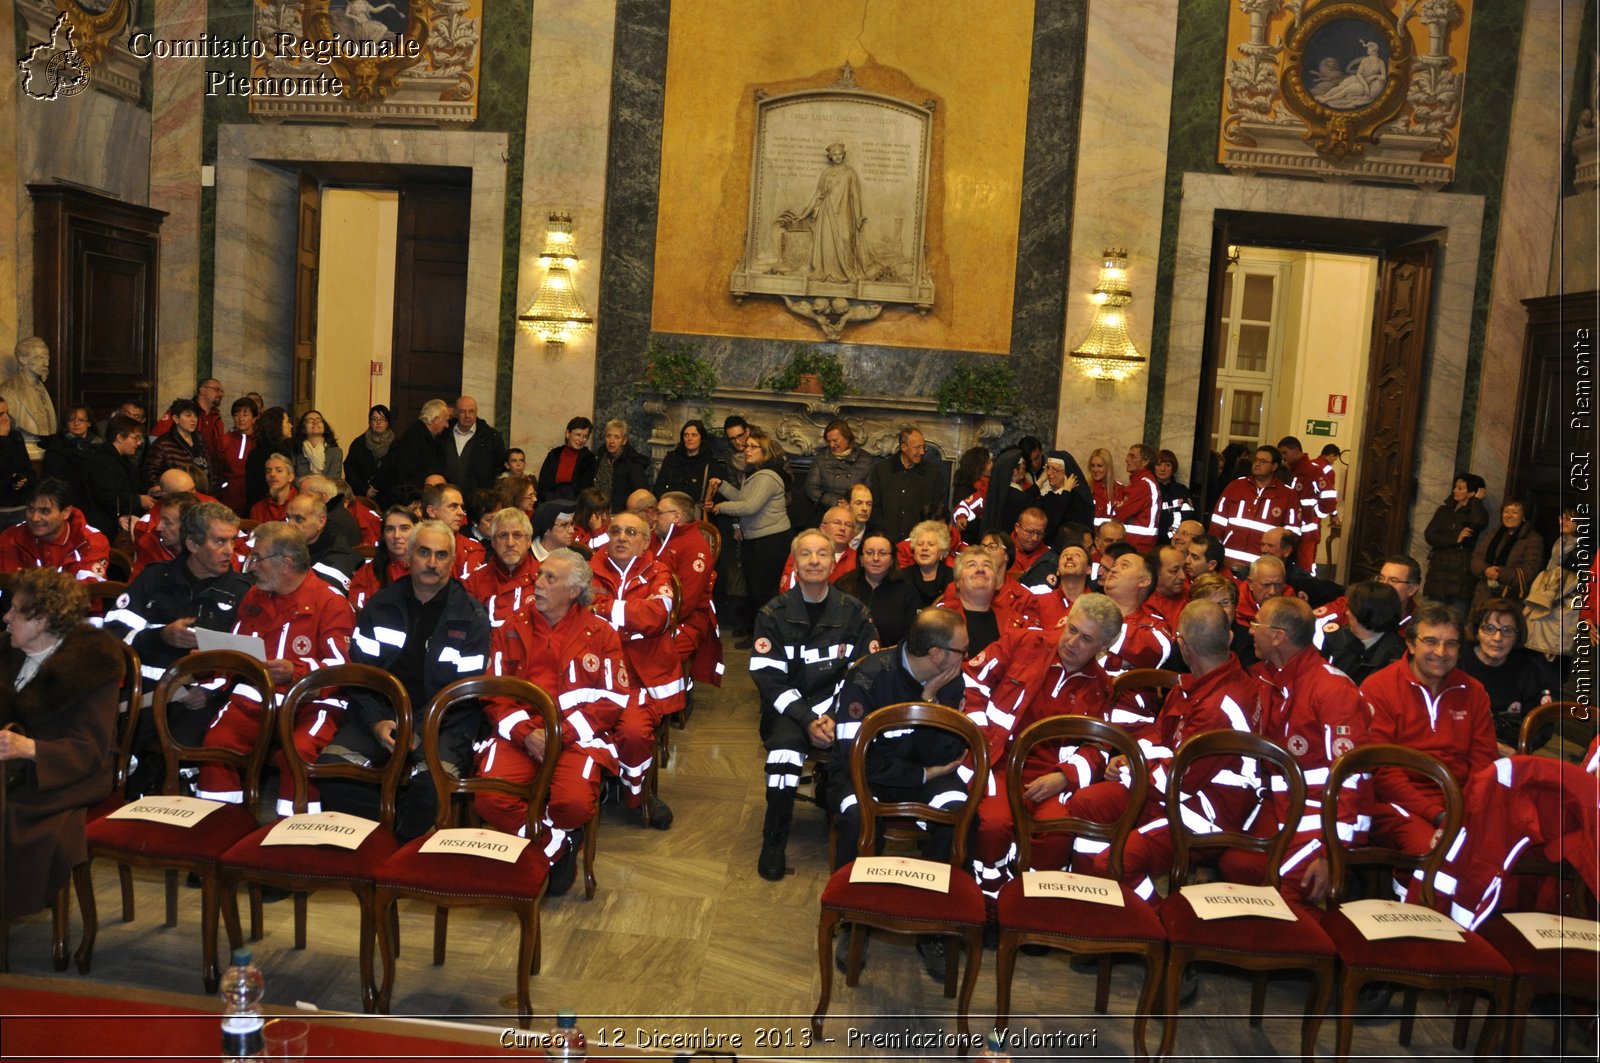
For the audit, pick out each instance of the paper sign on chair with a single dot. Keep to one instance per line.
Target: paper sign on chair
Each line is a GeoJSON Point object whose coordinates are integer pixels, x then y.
{"type": "Point", "coordinates": [902, 871]}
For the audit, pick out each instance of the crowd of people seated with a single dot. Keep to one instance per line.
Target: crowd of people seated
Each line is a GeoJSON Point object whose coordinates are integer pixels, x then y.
{"type": "Point", "coordinates": [427, 549]}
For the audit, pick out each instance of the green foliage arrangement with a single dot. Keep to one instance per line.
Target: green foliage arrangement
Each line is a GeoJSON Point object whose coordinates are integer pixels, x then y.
{"type": "Point", "coordinates": [987, 386]}
{"type": "Point", "coordinates": [807, 361]}
{"type": "Point", "coordinates": [676, 369]}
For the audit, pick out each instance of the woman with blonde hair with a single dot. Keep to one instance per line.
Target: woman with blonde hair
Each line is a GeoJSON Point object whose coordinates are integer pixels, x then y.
{"type": "Point", "coordinates": [762, 506]}
{"type": "Point", "coordinates": [1103, 482]}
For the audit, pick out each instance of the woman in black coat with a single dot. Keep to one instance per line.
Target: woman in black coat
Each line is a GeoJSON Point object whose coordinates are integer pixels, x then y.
{"type": "Point", "coordinates": [58, 749]}
{"type": "Point", "coordinates": [1506, 560]}
{"type": "Point", "coordinates": [1453, 533]}
{"type": "Point", "coordinates": [688, 467]}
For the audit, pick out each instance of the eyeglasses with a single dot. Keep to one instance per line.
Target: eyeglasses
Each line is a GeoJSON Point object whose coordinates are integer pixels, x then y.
{"type": "Point", "coordinates": [1432, 643]}
{"type": "Point", "coordinates": [1397, 581]}
{"type": "Point", "coordinates": [1256, 625]}
{"type": "Point", "coordinates": [1497, 629]}
{"type": "Point", "coordinates": [631, 533]}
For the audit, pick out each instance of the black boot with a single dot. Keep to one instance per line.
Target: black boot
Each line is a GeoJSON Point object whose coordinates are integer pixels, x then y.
{"type": "Point", "coordinates": [775, 838]}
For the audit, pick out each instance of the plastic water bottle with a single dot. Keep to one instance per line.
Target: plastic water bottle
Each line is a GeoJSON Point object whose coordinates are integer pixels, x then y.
{"type": "Point", "coordinates": [241, 990]}
{"type": "Point", "coordinates": [566, 1041]}
{"type": "Point", "coordinates": [994, 1047]}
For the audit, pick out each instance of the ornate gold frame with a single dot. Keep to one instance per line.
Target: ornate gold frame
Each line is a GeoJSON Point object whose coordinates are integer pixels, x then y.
{"type": "Point", "coordinates": [367, 81]}
{"type": "Point", "coordinates": [93, 33]}
{"type": "Point", "coordinates": [1338, 134]}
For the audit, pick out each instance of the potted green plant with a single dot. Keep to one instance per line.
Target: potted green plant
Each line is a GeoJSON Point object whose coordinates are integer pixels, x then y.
{"type": "Point", "coordinates": [809, 372]}
{"type": "Point", "coordinates": [676, 369]}
{"type": "Point", "coordinates": [988, 386]}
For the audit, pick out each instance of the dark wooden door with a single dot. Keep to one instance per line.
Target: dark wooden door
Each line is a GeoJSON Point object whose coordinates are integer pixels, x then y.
{"type": "Point", "coordinates": [1552, 460]}
{"type": "Point", "coordinates": [307, 248]}
{"type": "Point", "coordinates": [96, 285]}
{"type": "Point", "coordinates": [1203, 480]}
{"type": "Point", "coordinates": [1380, 523]}
{"type": "Point", "coordinates": [430, 303]}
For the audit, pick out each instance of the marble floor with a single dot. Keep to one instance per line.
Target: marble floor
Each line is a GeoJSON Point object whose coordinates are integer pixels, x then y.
{"type": "Point", "coordinates": [682, 937]}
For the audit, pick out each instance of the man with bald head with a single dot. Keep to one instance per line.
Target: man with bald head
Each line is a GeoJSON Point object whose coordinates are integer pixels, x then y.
{"type": "Point", "coordinates": [471, 452]}
{"type": "Point", "coordinates": [839, 526]}
{"type": "Point", "coordinates": [633, 593]}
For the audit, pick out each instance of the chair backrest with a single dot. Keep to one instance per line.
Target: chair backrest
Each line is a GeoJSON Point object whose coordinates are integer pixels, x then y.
{"type": "Point", "coordinates": [1076, 730]}
{"type": "Point", "coordinates": [103, 595]}
{"type": "Point", "coordinates": [338, 681]}
{"type": "Point", "coordinates": [1365, 760]}
{"type": "Point", "coordinates": [1553, 714]}
{"type": "Point", "coordinates": [919, 714]}
{"type": "Point", "coordinates": [1154, 681]}
{"type": "Point", "coordinates": [1269, 758]}
{"type": "Point", "coordinates": [236, 669]}
{"type": "Point", "coordinates": [119, 566]}
{"type": "Point", "coordinates": [713, 538]}
{"type": "Point", "coordinates": [366, 550]}
{"type": "Point", "coordinates": [131, 696]}
{"type": "Point", "coordinates": [536, 791]}
{"type": "Point", "coordinates": [677, 604]}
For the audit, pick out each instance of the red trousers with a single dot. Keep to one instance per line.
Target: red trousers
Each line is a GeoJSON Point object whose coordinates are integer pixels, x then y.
{"type": "Point", "coordinates": [236, 728]}
{"type": "Point", "coordinates": [574, 789]}
{"type": "Point", "coordinates": [636, 746]}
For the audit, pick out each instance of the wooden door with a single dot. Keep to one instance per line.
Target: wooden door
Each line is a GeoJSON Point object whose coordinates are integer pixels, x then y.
{"type": "Point", "coordinates": [307, 247]}
{"type": "Point", "coordinates": [1552, 460]}
{"type": "Point", "coordinates": [1380, 521]}
{"type": "Point", "coordinates": [430, 304]}
{"type": "Point", "coordinates": [96, 286]}
{"type": "Point", "coordinates": [1202, 477]}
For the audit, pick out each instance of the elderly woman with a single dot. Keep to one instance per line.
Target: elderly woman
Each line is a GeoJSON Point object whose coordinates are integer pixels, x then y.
{"type": "Point", "coordinates": [1506, 560]}
{"type": "Point", "coordinates": [58, 704]}
{"type": "Point", "coordinates": [928, 574]}
{"type": "Point", "coordinates": [838, 466]}
{"type": "Point", "coordinates": [762, 508]}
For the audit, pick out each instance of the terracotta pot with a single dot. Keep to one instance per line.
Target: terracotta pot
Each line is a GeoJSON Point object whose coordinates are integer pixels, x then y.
{"type": "Point", "coordinates": [810, 384]}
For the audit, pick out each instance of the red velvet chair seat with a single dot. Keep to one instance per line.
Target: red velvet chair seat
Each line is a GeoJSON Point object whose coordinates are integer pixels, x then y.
{"type": "Point", "coordinates": [1472, 957]}
{"type": "Point", "coordinates": [1251, 934]}
{"type": "Point", "coordinates": [1073, 918]}
{"type": "Point", "coordinates": [206, 840]}
{"type": "Point", "coordinates": [963, 904]}
{"type": "Point", "coordinates": [1568, 965]}
{"type": "Point", "coordinates": [323, 861]}
{"type": "Point", "coordinates": [472, 876]}
{"type": "Point", "coordinates": [110, 804]}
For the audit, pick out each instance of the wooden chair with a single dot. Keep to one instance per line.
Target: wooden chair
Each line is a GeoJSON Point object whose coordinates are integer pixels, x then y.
{"type": "Point", "coordinates": [1473, 964]}
{"type": "Point", "coordinates": [1252, 943]}
{"type": "Point", "coordinates": [1077, 926]}
{"type": "Point", "coordinates": [305, 869]}
{"type": "Point", "coordinates": [197, 849]}
{"type": "Point", "coordinates": [1560, 715]}
{"type": "Point", "coordinates": [448, 880]}
{"type": "Point", "coordinates": [713, 539]}
{"type": "Point", "coordinates": [1149, 686]}
{"type": "Point", "coordinates": [119, 566]}
{"type": "Point", "coordinates": [103, 595]}
{"type": "Point", "coordinates": [898, 909]}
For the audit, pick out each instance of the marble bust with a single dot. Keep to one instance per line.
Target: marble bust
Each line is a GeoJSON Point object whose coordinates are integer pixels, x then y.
{"type": "Point", "coordinates": [23, 388]}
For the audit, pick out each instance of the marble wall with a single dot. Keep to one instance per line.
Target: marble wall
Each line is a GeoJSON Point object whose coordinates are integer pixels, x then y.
{"type": "Point", "coordinates": [255, 240]}
{"type": "Point", "coordinates": [1459, 219]}
{"type": "Point", "coordinates": [1049, 165]}
{"type": "Point", "coordinates": [176, 104]}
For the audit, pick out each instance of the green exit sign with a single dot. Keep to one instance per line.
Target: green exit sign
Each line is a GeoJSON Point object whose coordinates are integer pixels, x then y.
{"type": "Point", "coordinates": [1321, 428]}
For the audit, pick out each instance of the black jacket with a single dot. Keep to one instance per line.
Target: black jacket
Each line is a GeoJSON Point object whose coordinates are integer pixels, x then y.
{"type": "Point", "coordinates": [478, 464]}
{"type": "Point", "coordinates": [803, 686]}
{"type": "Point", "coordinates": [895, 760]}
{"type": "Point", "coordinates": [16, 470]}
{"type": "Point", "coordinates": [688, 473]}
{"type": "Point", "coordinates": [892, 605]}
{"type": "Point", "coordinates": [582, 475]}
{"type": "Point", "coordinates": [168, 591]}
{"type": "Point", "coordinates": [110, 489]}
{"type": "Point", "coordinates": [630, 471]}
{"type": "Point", "coordinates": [413, 458]}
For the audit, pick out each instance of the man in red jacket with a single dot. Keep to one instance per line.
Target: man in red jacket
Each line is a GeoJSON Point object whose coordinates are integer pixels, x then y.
{"type": "Point", "coordinates": [1145, 640]}
{"type": "Point", "coordinates": [442, 501]}
{"type": "Point", "coordinates": [680, 544]}
{"type": "Point", "coordinates": [1423, 701]}
{"type": "Point", "coordinates": [1252, 504]}
{"type": "Point", "coordinates": [576, 658]}
{"type": "Point", "coordinates": [1140, 508]}
{"type": "Point", "coordinates": [306, 625]}
{"type": "Point", "coordinates": [634, 594]}
{"type": "Point", "coordinates": [1316, 713]}
{"type": "Point", "coordinates": [504, 583]}
{"type": "Point", "coordinates": [53, 534]}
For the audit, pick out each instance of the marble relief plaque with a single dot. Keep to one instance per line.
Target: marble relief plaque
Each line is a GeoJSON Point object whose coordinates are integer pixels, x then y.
{"type": "Point", "coordinates": [838, 205]}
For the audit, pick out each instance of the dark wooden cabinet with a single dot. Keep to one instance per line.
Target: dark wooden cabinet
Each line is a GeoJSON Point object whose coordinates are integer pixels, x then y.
{"type": "Point", "coordinates": [96, 264]}
{"type": "Point", "coordinates": [1553, 446]}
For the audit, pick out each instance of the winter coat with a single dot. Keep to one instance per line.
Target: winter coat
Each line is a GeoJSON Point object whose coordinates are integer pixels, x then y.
{"type": "Point", "coordinates": [1450, 563]}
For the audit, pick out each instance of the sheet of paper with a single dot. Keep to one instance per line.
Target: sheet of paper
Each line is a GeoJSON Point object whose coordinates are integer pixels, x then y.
{"type": "Point", "coordinates": [1380, 920]}
{"type": "Point", "coordinates": [902, 871]}
{"type": "Point", "coordinates": [173, 811]}
{"type": "Point", "coordinates": [1230, 900]}
{"type": "Point", "coordinates": [468, 841]}
{"type": "Point", "coordinates": [321, 828]}
{"type": "Point", "coordinates": [227, 640]}
{"type": "Point", "coordinates": [1067, 886]}
{"type": "Point", "coordinates": [1545, 930]}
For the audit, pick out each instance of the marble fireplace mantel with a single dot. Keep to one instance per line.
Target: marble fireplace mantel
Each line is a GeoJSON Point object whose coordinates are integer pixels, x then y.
{"type": "Point", "coordinates": [798, 420]}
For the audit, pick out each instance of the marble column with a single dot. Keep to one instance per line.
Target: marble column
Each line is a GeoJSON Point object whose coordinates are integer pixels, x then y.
{"type": "Point", "coordinates": [1122, 161]}
{"type": "Point", "coordinates": [1528, 217]}
{"type": "Point", "coordinates": [10, 192]}
{"type": "Point", "coordinates": [563, 169]}
{"type": "Point", "coordinates": [177, 94]}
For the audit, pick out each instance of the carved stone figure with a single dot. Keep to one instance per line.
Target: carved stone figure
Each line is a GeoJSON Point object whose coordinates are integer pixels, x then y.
{"type": "Point", "coordinates": [836, 221]}
{"type": "Point", "coordinates": [23, 388]}
{"type": "Point", "coordinates": [1363, 83]}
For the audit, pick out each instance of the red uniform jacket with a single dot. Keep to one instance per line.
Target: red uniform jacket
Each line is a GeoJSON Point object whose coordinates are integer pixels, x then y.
{"type": "Point", "coordinates": [1140, 510]}
{"type": "Point", "coordinates": [503, 593]}
{"type": "Point", "coordinates": [364, 584]}
{"type": "Point", "coordinates": [1316, 713]}
{"type": "Point", "coordinates": [148, 550]}
{"type": "Point", "coordinates": [1054, 605]}
{"type": "Point", "coordinates": [1145, 642]}
{"type": "Point", "coordinates": [1166, 609]}
{"type": "Point", "coordinates": [686, 551]}
{"type": "Point", "coordinates": [578, 663]}
{"type": "Point", "coordinates": [77, 549]}
{"type": "Point", "coordinates": [470, 556]}
{"type": "Point", "coordinates": [1327, 488]}
{"type": "Point", "coordinates": [1454, 726]}
{"type": "Point", "coordinates": [639, 603]}
{"type": "Point", "coordinates": [1106, 497]}
{"type": "Point", "coordinates": [1246, 512]}
{"type": "Point", "coordinates": [236, 447]}
{"type": "Point", "coordinates": [1083, 693]}
{"type": "Point", "coordinates": [370, 523]}
{"type": "Point", "coordinates": [310, 626]}
{"type": "Point", "coordinates": [267, 509]}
